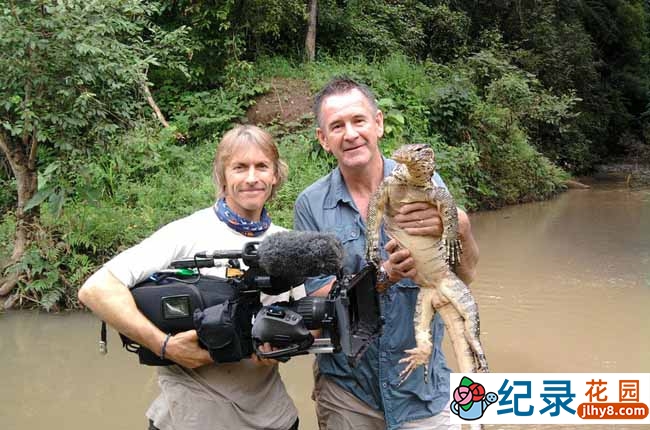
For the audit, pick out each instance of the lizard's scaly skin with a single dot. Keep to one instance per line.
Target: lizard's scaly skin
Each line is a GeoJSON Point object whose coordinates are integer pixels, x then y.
{"type": "Point", "coordinates": [440, 289]}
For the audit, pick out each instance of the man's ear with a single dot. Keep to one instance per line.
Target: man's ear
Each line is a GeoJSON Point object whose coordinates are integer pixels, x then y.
{"type": "Point", "coordinates": [379, 120]}
{"type": "Point", "coordinates": [322, 139]}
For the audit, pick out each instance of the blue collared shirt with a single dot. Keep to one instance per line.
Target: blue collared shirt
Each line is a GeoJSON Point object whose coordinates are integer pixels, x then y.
{"type": "Point", "coordinates": [327, 206]}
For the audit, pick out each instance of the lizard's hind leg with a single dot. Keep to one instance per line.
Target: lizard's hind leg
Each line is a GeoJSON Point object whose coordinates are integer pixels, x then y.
{"type": "Point", "coordinates": [472, 332]}
{"type": "Point", "coordinates": [466, 306]}
{"type": "Point", "coordinates": [421, 354]}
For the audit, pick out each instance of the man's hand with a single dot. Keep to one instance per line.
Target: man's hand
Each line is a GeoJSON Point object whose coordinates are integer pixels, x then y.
{"type": "Point", "coordinates": [423, 219]}
{"type": "Point", "coordinates": [400, 264]}
{"type": "Point", "coordinates": [183, 348]}
{"type": "Point", "coordinates": [266, 347]}
{"type": "Point", "coordinates": [419, 219]}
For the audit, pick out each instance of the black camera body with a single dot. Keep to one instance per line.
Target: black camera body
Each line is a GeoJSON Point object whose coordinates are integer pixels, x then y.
{"type": "Point", "coordinates": [232, 323]}
{"type": "Point", "coordinates": [171, 302]}
{"type": "Point", "coordinates": [348, 320]}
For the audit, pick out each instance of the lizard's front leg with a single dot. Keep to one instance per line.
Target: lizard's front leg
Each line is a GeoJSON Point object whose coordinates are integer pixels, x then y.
{"type": "Point", "coordinates": [449, 217]}
{"type": "Point", "coordinates": [376, 207]}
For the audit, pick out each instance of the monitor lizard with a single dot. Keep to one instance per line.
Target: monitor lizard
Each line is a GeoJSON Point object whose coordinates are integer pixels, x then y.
{"type": "Point", "coordinates": [440, 290]}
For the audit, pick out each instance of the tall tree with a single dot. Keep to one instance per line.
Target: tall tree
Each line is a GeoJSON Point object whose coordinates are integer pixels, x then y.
{"type": "Point", "coordinates": [310, 40]}
{"type": "Point", "coordinates": [71, 77]}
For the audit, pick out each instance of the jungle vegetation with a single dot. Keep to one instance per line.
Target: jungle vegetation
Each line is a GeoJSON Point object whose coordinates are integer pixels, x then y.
{"type": "Point", "coordinates": [110, 111]}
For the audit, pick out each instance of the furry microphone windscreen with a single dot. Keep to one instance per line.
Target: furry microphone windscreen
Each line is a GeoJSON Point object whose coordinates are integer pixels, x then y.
{"type": "Point", "coordinates": [300, 254]}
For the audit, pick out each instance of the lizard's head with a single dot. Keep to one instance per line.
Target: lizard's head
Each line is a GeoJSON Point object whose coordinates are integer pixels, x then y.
{"type": "Point", "coordinates": [419, 160]}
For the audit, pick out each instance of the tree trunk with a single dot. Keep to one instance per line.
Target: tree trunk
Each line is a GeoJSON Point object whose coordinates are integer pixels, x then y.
{"type": "Point", "coordinates": [21, 158]}
{"type": "Point", "coordinates": [310, 40]}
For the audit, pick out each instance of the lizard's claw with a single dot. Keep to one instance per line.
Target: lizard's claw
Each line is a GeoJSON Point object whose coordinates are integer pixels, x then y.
{"type": "Point", "coordinates": [406, 373]}
{"type": "Point", "coordinates": [419, 356]}
{"type": "Point", "coordinates": [453, 249]}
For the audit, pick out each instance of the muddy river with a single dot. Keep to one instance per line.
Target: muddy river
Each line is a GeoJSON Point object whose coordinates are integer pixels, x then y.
{"type": "Point", "coordinates": [563, 286]}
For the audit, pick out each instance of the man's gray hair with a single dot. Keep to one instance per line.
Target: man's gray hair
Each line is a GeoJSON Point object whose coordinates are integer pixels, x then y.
{"type": "Point", "coordinates": [341, 85]}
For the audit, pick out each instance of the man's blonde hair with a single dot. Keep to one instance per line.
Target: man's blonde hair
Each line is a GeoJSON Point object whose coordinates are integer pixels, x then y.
{"type": "Point", "coordinates": [245, 136]}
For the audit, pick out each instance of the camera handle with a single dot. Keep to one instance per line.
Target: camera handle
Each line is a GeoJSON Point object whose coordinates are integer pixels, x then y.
{"type": "Point", "coordinates": [280, 354]}
{"type": "Point", "coordinates": [320, 346]}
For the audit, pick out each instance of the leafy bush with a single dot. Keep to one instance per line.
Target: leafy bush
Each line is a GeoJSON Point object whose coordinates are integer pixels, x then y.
{"type": "Point", "coordinates": [373, 29]}
{"type": "Point", "coordinates": [140, 185]}
{"type": "Point", "coordinates": [203, 115]}
{"type": "Point", "coordinates": [306, 163]}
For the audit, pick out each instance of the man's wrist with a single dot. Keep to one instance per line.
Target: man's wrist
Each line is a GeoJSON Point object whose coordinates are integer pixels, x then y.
{"type": "Point", "coordinates": [163, 348]}
{"type": "Point", "coordinates": [383, 280]}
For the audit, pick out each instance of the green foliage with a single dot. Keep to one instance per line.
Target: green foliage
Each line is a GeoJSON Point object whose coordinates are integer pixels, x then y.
{"type": "Point", "coordinates": [447, 34]}
{"type": "Point", "coordinates": [7, 194]}
{"type": "Point", "coordinates": [370, 28]}
{"type": "Point", "coordinates": [200, 115]}
{"type": "Point", "coordinates": [72, 67]}
{"type": "Point", "coordinates": [393, 119]}
{"type": "Point", "coordinates": [40, 266]}
{"type": "Point", "coordinates": [504, 91]}
{"type": "Point", "coordinates": [7, 231]}
{"type": "Point", "coordinates": [143, 183]}
{"type": "Point", "coordinates": [225, 33]}
{"type": "Point", "coordinates": [306, 165]}
{"type": "Point", "coordinates": [510, 170]}
{"type": "Point", "coordinates": [450, 106]}
{"type": "Point", "coordinates": [71, 74]}
{"type": "Point", "coordinates": [203, 115]}
{"type": "Point", "coordinates": [212, 35]}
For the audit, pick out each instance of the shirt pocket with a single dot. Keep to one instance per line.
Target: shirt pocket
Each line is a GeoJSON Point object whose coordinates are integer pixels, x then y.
{"type": "Point", "coordinates": [414, 385]}
{"type": "Point", "coordinates": [353, 246]}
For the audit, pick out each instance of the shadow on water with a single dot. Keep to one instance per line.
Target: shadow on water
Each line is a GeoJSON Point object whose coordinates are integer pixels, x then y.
{"type": "Point", "coordinates": [563, 286]}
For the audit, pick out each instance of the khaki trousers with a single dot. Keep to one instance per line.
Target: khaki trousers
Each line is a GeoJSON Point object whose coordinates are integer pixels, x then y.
{"type": "Point", "coordinates": [337, 409]}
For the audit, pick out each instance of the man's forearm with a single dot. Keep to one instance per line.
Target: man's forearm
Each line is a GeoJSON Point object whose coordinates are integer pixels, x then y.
{"type": "Point", "coordinates": [466, 270]}
{"type": "Point", "coordinates": [112, 301]}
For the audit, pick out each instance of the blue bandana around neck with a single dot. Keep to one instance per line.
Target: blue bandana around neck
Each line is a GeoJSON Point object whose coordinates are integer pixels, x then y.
{"type": "Point", "coordinates": [239, 224]}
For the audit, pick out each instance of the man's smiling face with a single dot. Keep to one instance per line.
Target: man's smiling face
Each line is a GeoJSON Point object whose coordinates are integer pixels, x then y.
{"type": "Point", "coordinates": [350, 129]}
{"type": "Point", "coordinates": [250, 177]}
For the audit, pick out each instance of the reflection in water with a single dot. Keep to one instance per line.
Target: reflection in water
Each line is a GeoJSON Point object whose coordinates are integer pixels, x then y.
{"type": "Point", "coordinates": [563, 286]}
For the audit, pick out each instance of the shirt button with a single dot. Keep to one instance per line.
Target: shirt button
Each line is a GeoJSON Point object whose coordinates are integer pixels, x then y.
{"type": "Point", "coordinates": [384, 385]}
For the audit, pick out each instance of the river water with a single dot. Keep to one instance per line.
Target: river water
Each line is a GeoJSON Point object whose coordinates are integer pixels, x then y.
{"type": "Point", "coordinates": [563, 286]}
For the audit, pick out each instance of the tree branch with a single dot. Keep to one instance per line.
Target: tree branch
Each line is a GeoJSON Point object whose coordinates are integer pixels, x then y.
{"type": "Point", "coordinates": [154, 106]}
{"type": "Point", "coordinates": [5, 146]}
{"type": "Point", "coordinates": [8, 284]}
{"type": "Point", "coordinates": [14, 13]}
{"type": "Point", "coordinates": [31, 160]}
{"type": "Point", "coordinates": [28, 95]}
{"type": "Point", "coordinates": [147, 95]}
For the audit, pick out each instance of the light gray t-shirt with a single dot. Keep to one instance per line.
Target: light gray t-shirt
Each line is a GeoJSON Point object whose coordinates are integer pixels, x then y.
{"type": "Point", "coordinates": [238, 395]}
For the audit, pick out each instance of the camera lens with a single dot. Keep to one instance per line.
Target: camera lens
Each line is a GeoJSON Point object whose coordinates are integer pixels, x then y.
{"type": "Point", "coordinates": [315, 311]}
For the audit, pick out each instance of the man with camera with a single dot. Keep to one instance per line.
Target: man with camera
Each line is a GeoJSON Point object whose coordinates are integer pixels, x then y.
{"type": "Point", "coordinates": [198, 393]}
{"type": "Point", "coordinates": [370, 396]}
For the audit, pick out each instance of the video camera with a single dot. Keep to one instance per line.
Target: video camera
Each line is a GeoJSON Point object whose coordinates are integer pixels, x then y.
{"type": "Point", "coordinates": [229, 317]}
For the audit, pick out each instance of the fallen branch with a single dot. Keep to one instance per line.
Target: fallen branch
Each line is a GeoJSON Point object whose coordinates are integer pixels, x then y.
{"type": "Point", "coordinates": [11, 301]}
{"type": "Point", "coordinates": [156, 110]}
{"type": "Point", "coordinates": [8, 284]}
{"type": "Point", "coordinates": [570, 183]}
